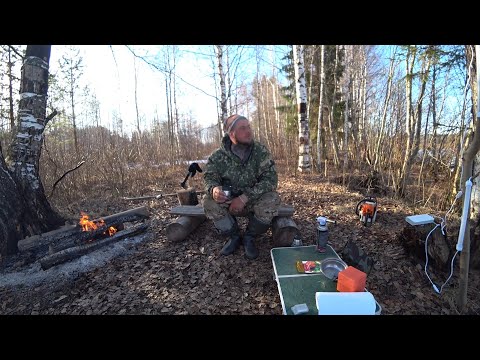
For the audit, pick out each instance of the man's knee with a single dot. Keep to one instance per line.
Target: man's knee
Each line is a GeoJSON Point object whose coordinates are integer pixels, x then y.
{"type": "Point", "coordinates": [266, 208]}
{"type": "Point", "coordinates": [212, 209]}
{"type": "Point", "coordinates": [225, 225]}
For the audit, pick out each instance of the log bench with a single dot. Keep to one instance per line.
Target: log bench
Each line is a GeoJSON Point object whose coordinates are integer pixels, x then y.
{"type": "Point", "coordinates": [190, 216]}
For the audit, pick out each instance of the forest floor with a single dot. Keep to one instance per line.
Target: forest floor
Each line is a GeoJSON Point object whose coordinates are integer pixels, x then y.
{"type": "Point", "coordinates": [149, 275]}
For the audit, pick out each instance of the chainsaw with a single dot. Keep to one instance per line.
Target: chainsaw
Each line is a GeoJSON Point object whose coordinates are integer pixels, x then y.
{"type": "Point", "coordinates": [367, 210]}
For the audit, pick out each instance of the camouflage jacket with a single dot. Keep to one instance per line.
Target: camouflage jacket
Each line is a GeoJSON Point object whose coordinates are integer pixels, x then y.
{"type": "Point", "coordinates": [254, 177]}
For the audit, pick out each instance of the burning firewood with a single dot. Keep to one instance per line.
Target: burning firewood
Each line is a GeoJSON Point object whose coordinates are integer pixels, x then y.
{"type": "Point", "coordinates": [77, 251]}
{"type": "Point", "coordinates": [67, 235]}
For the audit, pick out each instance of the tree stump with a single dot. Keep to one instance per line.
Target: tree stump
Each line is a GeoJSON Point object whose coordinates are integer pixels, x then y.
{"type": "Point", "coordinates": [182, 226]}
{"type": "Point", "coordinates": [440, 251]}
{"type": "Point", "coordinates": [187, 197]}
{"type": "Point", "coordinates": [283, 231]}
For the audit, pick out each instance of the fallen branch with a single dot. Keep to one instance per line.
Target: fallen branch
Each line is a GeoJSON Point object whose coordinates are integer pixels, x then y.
{"type": "Point", "coordinates": [77, 251]}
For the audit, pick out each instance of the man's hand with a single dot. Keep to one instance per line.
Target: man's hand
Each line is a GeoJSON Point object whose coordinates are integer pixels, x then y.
{"type": "Point", "coordinates": [236, 206]}
{"type": "Point", "coordinates": [218, 195]}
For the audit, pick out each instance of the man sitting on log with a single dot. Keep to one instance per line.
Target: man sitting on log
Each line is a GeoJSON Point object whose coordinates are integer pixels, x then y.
{"type": "Point", "coordinates": [240, 179]}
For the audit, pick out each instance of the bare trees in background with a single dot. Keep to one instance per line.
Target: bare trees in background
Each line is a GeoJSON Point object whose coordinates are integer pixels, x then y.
{"type": "Point", "coordinates": [357, 116]}
{"type": "Point", "coordinates": [356, 99]}
{"type": "Point", "coordinates": [11, 60]}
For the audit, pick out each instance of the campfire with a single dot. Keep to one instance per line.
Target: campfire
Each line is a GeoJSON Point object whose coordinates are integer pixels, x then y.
{"type": "Point", "coordinates": [73, 241]}
{"type": "Point", "coordinates": [89, 225]}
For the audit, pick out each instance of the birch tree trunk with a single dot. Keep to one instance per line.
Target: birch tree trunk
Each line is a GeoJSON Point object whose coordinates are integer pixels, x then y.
{"type": "Point", "coordinates": [25, 209]}
{"type": "Point", "coordinates": [229, 83]}
{"type": "Point", "coordinates": [223, 90]}
{"type": "Point", "coordinates": [10, 90]}
{"type": "Point", "coordinates": [468, 159]}
{"type": "Point", "coordinates": [301, 92]}
{"type": "Point", "coordinates": [320, 109]}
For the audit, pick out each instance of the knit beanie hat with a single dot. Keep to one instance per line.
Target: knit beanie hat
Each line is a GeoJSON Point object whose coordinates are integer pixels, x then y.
{"type": "Point", "coordinates": [229, 122]}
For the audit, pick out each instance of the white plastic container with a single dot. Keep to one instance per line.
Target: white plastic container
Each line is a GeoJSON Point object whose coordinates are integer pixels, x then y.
{"type": "Point", "coordinates": [345, 303]}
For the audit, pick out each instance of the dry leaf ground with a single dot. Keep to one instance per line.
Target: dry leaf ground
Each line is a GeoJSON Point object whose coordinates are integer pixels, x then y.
{"type": "Point", "coordinates": [154, 276]}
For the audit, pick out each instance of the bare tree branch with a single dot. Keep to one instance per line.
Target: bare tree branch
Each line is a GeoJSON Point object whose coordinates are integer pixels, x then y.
{"type": "Point", "coordinates": [56, 182]}
{"type": "Point", "coordinates": [166, 71]}
{"type": "Point", "coordinates": [51, 116]}
{"type": "Point", "coordinates": [15, 51]}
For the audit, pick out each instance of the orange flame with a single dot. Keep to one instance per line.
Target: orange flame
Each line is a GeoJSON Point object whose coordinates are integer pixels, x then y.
{"type": "Point", "coordinates": [88, 225]}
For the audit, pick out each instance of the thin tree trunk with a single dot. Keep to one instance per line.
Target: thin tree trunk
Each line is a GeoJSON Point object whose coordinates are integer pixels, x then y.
{"type": "Point", "coordinates": [320, 109]}
{"type": "Point", "coordinates": [425, 134]}
{"type": "Point", "coordinates": [416, 126]}
{"type": "Point", "coordinates": [136, 98]}
{"type": "Point", "coordinates": [259, 104]}
{"type": "Point", "coordinates": [410, 61]}
{"type": "Point", "coordinates": [310, 82]}
{"type": "Point", "coordinates": [460, 143]}
{"type": "Point", "coordinates": [384, 113]}
{"type": "Point", "coordinates": [229, 83]}
{"type": "Point", "coordinates": [176, 127]}
{"type": "Point", "coordinates": [169, 118]}
{"type": "Point", "coordinates": [363, 117]}
{"type": "Point", "coordinates": [72, 102]}
{"type": "Point", "coordinates": [332, 111]}
{"type": "Point", "coordinates": [303, 130]}
{"type": "Point", "coordinates": [10, 91]}
{"type": "Point", "coordinates": [434, 112]}
{"type": "Point", "coordinates": [345, 137]}
{"type": "Point", "coordinates": [223, 90]}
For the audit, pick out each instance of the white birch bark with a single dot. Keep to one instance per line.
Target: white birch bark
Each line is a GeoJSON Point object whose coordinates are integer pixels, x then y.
{"type": "Point", "coordinates": [26, 148]}
{"type": "Point", "coordinates": [304, 163]}
{"type": "Point", "coordinates": [223, 90]}
{"type": "Point", "coordinates": [320, 109]}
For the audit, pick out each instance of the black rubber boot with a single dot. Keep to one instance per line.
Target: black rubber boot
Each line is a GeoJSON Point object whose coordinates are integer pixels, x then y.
{"type": "Point", "coordinates": [233, 242]}
{"type": "Point", "coordinates": [255, 227]}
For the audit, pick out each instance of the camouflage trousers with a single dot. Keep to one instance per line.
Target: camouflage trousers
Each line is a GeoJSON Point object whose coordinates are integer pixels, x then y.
{"type": "Point", "coordinates": [264, 209]}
